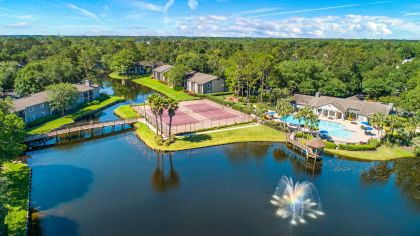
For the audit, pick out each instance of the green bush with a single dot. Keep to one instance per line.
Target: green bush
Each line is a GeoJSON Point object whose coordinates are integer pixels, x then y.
{"type": "Point", "coordinates": [304, 135]}
{"type": "Point", "coordinates": [417, 151]}
{"type": "Point", "coordinates": [158, 140]}
{"type": "Point", "coordinates": [330, 145]}
{"type": "Point", "coordinates": [220, 94]}
{"type": "Point", "coordinates": [372, 145]}
{"type": "Point", "coordinates": [42, 120]}
{"type": "Point", "coordinates": [170, 140]}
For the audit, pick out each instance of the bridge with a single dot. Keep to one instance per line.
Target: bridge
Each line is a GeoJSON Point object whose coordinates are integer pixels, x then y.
{"type": "Point", "coordinates": [79, 127]}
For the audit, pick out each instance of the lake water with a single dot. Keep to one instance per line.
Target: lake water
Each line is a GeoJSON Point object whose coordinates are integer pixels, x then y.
{"type": "Point", "coordinates": [134, 93]}
{"type": "Point", "coordinates": [117, 186]}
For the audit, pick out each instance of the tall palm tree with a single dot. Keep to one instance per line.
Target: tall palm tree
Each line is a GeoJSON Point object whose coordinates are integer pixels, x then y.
{"type": "Point", "coordinates": [284, 108]}
{"type": "Point", "coordinates": [151, 101]}
{"type": "Point", "coordinates": [394, 123]}
{"type": "Point", "coordinates": [378, 121]}
{"type": "Point", "coordinates": [172, 106]}
{"type": "Point", "coordinates": [410, 127]}
{"type": "Point", "coordinates": [160, 105]}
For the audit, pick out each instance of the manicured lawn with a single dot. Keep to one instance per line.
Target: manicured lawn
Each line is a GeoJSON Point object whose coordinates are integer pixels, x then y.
{"type": "Point", "coordinates": [382, 153]}
{"type": "Point", "coordinates": [56, 123]}
{"type": "Point", "coordinates": [126, 112]}
{"type": "Point", "coordinates": [164, 89]}
{"type": "Point", "coordinates": [17, 177]}
{"type": "Point", "coordinates": [259, 133]}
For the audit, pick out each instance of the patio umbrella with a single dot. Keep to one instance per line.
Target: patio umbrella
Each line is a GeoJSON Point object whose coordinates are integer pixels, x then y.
{"type": "Point", "coordinates": [368, 128]}
{"type": "Point", "coordinates": [323, 132]}
{"type": "Point", "coordinates": [364, 123]}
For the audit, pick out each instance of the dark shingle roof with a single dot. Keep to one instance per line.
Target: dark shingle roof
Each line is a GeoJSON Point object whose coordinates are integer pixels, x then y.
{"type": "Point", "coordinates": [201, 78]}
{"type": "Point", "coordinates": [163, 68]}
{"type": "Point", "coordinates": [21, 104]}
{"type": "Point", "coordinates": [343, 104]}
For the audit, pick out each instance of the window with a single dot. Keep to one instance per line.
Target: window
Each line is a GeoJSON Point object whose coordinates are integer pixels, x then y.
{"type": "Point", "coordinates": [42, 105]}
{"type": "Point", "coordinates": [32, 118]}
{"type": "Point", "coordinates": [209, 85]}
{"type": "Point", "coordinates": [31, 108]}
{"type": "Point", "coordinates": [42, 114]}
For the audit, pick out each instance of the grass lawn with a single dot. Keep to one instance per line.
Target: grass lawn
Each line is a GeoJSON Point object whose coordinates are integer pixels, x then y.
{"type": "Point", "coordinates": [164, 89]}
{"type": "Point", "coordinates": [56, 123]}
{"type": "Point", "coordinates": [126, 112]}
{"type": "Point", "coordinates": [259, 133]}
{"type": "Point", "coordinates": [382, 153]}
{"type": "Point", "coordinates": [17, 177]}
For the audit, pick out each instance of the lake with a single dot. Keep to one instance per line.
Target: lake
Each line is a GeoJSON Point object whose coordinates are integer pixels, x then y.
{"type": "Point", "coordinates": [117, 186]}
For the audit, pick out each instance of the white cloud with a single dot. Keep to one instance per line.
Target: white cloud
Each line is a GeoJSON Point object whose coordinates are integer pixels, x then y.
{"type": "Point", "coordinates": [82, 11]}
{"type": "Point", "coordinates": [412, 14]}
{"type": "Point", "coordinates": [21, 25]}
{"type": "Point", "coordinates": [256, 11]}
{"type": "Point", "coordinates": [152, 7]}
{"type": "Point", "coordinates": [350, 26]}
{"type": "Point", "coordinates": [193, 4]}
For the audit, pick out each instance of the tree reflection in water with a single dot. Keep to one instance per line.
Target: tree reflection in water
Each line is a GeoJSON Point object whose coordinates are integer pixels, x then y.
{"type": "Point", "coordinates": [299, 163]}
{"type": "Point", "coordinates": [160, 182]}
{"type": "Point", "coordinates": [407, 177]}
{"type": "Point", "coordinates": [126, 88]}
{"type": "Point", "coordinates": [241, 152]}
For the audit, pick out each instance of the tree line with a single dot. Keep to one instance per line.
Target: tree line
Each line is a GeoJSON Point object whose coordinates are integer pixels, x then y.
{"type": "Point", "coordinates": [253, 68]}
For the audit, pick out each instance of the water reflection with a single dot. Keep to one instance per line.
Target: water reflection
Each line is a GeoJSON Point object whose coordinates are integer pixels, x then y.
{"type": "Point", "coordinates": [129, 90]}
{"type": "Point", "coordinates": [56, 184]}
{"type": "Point", "coordinates": [242, 152]}
{"type": "Point", "coordinates": [299, 163]}
{"type": "Point", "coordinates": [160, 181]}
{"type": "Point", "coordinates": [406, 172]}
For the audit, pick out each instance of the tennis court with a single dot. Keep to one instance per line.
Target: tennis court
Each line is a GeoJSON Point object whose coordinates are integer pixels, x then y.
{"type": "Point", "coordinates": [209, 111]}
{"type": "Point", "coordinates": [196, 115]}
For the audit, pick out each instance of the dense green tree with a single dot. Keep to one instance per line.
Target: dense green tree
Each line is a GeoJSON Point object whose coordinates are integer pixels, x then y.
{"type": "Point", "coordinates": [177, 75]}
{"type": "Point", "coordinates": [193, 61]}
{"type": "Point", "coordinates": [62, 96]}
{"type": "Point", "coordinates": [122, 60]}
{"type": "Point", "coordinates": [31, 79]}
{"type": "Point", "coordinates": [8, 73]}
{"type": "Point", "coordinates": [12, 135]}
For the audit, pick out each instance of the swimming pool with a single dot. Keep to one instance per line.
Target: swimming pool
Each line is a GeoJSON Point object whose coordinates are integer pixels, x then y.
{"type": "Point", "coordinates": [334, 129]}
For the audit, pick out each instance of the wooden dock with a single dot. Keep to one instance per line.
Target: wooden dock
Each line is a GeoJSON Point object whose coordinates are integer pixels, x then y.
{"type": "Point", "coordinates": [79, 127]}
{"type": "Point", "coordinates": [304, 149]}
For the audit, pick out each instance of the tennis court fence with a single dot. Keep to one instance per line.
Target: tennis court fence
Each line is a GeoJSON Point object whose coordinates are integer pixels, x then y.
{"type": "Point", "coordinates": [196, 125]}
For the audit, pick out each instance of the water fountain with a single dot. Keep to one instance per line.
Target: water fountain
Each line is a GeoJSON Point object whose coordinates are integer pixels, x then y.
{"type": "Point", "coordinates": [296, 201]}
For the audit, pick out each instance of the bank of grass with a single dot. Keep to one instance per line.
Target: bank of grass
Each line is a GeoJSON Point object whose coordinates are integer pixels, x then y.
{"type": "Point", "coordinates": [126, 112]}
{"type": "Point", "coordinates": [164, 89]}
{"type": "Point", "coordinates": [258, 133]}
{"type": "Point", "coordinates": [17, 187]}
{"type": "Point", "coordinates": [382, 153]}
{"type": "Point", "coordinates": [68, 119]}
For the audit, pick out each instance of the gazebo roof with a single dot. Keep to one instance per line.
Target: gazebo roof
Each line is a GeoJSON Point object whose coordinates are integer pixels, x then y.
{"type": "Point", "coordinates": [316, 143]}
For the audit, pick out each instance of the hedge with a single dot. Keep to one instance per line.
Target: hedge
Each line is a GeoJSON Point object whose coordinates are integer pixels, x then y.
{"type": "Point", "coordinates": [372, 145]}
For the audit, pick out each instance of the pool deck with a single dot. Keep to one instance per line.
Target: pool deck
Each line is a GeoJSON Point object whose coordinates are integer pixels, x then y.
{"type": "Point", "coordinates": [358, 134]}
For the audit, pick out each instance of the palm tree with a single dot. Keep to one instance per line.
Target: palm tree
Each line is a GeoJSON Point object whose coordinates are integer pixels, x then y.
{"type": "Point", "coordinates": [394, 123]}
{"type": "Point", "coordinates": [410, 127]}
{"type": "Point", "coordinates": [313, 120]}
{"type": "Point", "coordinates": [378, 121]}
{"type": "Point", "coordinates": [303, 114]}
{"type": "Point", "coordinates": [172, 106]}
{"type": "Point", "coordinates": [284, 108]}
{"type": "Point", "coordinates": [151, 101]}
{"type": "Point", "coordinates": [160, 106]}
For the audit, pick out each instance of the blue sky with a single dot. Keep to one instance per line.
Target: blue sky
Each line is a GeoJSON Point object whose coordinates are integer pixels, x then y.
{"type": "Point", "coordinates": [231, 18]}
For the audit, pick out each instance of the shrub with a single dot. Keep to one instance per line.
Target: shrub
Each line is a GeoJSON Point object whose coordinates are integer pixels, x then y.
{"type": "Point", "coordinates": [304, 135]}
{"type": "Point", "coordinates": [330, 145]}
{"type": "Point", "coordinates": [417, 151]}
{"type": "Point", "coordinates": [158, 140]}
{"type": "Point", "coordinates": [42, 120]}
{"type": "Point", "coordinates": [372, 145]}
{"type": "Point", "coordinates": [192, 94]}
{"type": "Point", "coordinates": [170, 140]}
